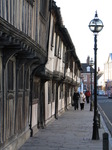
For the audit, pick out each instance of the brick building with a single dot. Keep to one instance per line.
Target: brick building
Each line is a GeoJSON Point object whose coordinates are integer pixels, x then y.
{"type": "Point", "coordinates": [86, 75]}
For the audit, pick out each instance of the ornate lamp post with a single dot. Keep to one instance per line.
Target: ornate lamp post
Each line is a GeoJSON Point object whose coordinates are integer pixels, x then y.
{"type": "Point", "coordinates": [95, 26]}
{"type": "Point", "coordinates": [91, 103]}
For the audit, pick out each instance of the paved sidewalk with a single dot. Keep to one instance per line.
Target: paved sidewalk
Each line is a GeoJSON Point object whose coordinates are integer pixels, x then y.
{"type": "Point", "coordinates": [72, 131]}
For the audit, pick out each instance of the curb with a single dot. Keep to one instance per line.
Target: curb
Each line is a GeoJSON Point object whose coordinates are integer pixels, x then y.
{"type": "Point", "coordinates": [104, 126]}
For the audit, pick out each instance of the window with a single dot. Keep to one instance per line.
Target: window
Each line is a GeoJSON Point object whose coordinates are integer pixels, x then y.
{"type": "Point", "coordinates": [71, 64]}
{"type": "Point", "coordinates": [36, 90]}
{"type": "Point", "coordinates": [54, 91]}
{"type": "Point", "coordinates": [27, 80]}
{"type": "Point", "coordinates": [64, 53]}
{"type": "Point", "coordinates": [85, 77]}
{"type": "Point", "coordinates": [61, 91]}
{"type": "Point", "coordinates": [59, 48]}
{"type": "Point", "coordinates": [85, 86]}
{"type": "Point", "coordinates": [10, 75]}
{"type": "Point", "coordinates": [67, 90]}
{"type": "Point", "coordinates": [30, 2]}
{"type": "Point", "coordinates": [56, 44]}
{"type": "Point", "coordinates": [88, 69]}
{"type": "Point", "coordinates": [52, 36]}
{"type": "Point", "coordinates": [43, 7]}
{"type": "Point", "coordinates": [21, 77]}
{"type": "Point", "coordinates": [49, 91]}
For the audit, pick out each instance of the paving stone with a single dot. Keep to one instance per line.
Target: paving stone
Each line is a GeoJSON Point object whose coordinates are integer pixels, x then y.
{"type": "Point", "coordinates": [72, 131]}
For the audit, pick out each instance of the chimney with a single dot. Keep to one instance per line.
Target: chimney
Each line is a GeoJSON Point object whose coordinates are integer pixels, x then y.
{"type": "Point", "coordinates": [98, 69]}
{"type": "Point", "coordinates": [88, 60]}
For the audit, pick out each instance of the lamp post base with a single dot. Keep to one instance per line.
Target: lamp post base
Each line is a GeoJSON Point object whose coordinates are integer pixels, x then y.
{"type": "Point", "coordinates": [91, 105]}
{"type": "Point", "coordinates": [95, 135]}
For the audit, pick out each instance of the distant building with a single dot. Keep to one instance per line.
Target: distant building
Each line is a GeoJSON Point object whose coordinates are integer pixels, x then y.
{"type": "Point", "coordinates": [86, 75]}
{"type": "Point", "coordinates": [108, 70]}
{"type": "Point", "coordinates": [100, 80]}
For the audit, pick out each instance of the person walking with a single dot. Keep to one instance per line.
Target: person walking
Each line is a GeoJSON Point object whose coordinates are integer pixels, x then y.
{"type": "Point", "coordinates": [76, 99]}
{"type": "Point", "coordinates": [87, 93]}
{"type": "Point", "coordinates": [82, 100]}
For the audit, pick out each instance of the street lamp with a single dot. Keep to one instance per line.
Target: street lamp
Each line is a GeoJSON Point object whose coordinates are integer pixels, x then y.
{"type": "Point", "coordinates": [91, 103]}
{"type": "Point", "coordinates": [95, 26]}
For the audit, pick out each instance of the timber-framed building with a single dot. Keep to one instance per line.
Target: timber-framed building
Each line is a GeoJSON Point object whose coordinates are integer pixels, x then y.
{"type": "Point", "coordinates": [38, 68]}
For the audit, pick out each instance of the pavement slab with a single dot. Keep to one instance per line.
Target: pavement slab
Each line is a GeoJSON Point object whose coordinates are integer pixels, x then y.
{"type": "Point", "coordinates": [72, 131]}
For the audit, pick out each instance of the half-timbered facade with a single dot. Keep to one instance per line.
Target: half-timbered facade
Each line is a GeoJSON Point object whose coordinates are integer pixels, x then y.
{"type": "Point", "coordinates": [63, 66]}
{"type": "Point", "coordinates": [38, 68]}
{"type": "Point", "coordinates": [23, 50]}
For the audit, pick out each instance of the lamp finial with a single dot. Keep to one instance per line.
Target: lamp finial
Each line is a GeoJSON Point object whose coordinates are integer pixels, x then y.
{"type": "Point", "coordinates": [96, 15]}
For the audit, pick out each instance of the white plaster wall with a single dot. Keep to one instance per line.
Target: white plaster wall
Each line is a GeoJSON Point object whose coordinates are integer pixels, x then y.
{"type": "Point", "coordinates": [53, 108]}
{"type": "Point", "coordinates": [54, 63]}
{"type": "Point", "coordinates": [63, 103]}
{"type": "Point", "coordinates": [49, 108]}
{"type": "Point", "coordinates": [49, 114]}
{"type": "Point", "coordinates": [46, 100]}
{"type": "Point", "coordinates": [34, 114]}
{"type": "Point", "coordinates": [101, 81]}
{"type": "Point", "coordinates": [50, 61]}
{"type": "Point", "coordinates": [69, 98]}
{"type": "Point", "coordinates": [60, 104]}
{"type": "Point", "coordinates": [60, 101]}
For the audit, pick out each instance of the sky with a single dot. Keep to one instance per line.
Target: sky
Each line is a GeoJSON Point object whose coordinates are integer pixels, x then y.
{"type": "Point", "coordinates": [76, 15]}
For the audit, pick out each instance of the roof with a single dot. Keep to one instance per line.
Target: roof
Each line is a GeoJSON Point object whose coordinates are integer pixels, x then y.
{"type": "Point", "coordinates": [84, 68]}
{"type": "Point", "coordinates": [63, 32]}
{"type": "Point", "coordinates": [99, 75]}
{"type": "Point", "coordinates": [109, 57]}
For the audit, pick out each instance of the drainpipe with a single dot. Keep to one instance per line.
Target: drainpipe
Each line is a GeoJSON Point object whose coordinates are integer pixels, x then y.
{"type": "Point", "coordinates": [31, 88]}
{"type": "Point", "coordinates": [56, 102]}
{"type": "Point", "coordinates": [2, 104]}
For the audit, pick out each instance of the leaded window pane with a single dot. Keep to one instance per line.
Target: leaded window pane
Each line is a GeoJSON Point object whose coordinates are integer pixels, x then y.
{"type": "Point", "coordinates": [21, 77]}
{"type": "Point", "coordinates": [10, 75]}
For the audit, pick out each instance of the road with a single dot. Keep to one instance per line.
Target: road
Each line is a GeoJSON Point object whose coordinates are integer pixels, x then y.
{"type": "Point", "coordinates": [105, 106]}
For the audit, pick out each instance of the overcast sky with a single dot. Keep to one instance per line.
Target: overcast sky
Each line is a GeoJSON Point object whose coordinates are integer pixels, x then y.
{"type": "Point", "coordinates": [76, 15]}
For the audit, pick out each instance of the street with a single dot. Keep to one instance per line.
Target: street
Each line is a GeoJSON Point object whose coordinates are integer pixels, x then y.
{"type": "Point", "coordinates": [105, 107]}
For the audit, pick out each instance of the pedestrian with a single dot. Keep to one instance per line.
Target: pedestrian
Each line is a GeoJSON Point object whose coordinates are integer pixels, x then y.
{"type": "Point", "coordinates": [76, 98]}
{"type": "Point", "coordinates": [82, 100]}
{"type": "Point", "coordinates": [87, 93]}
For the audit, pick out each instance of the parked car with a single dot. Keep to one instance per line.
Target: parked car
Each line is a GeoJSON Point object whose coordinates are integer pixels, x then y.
{"type": "Point", "coordinates": [101, 93]}
{"type": "Point", "coordinates": [105, 93]}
